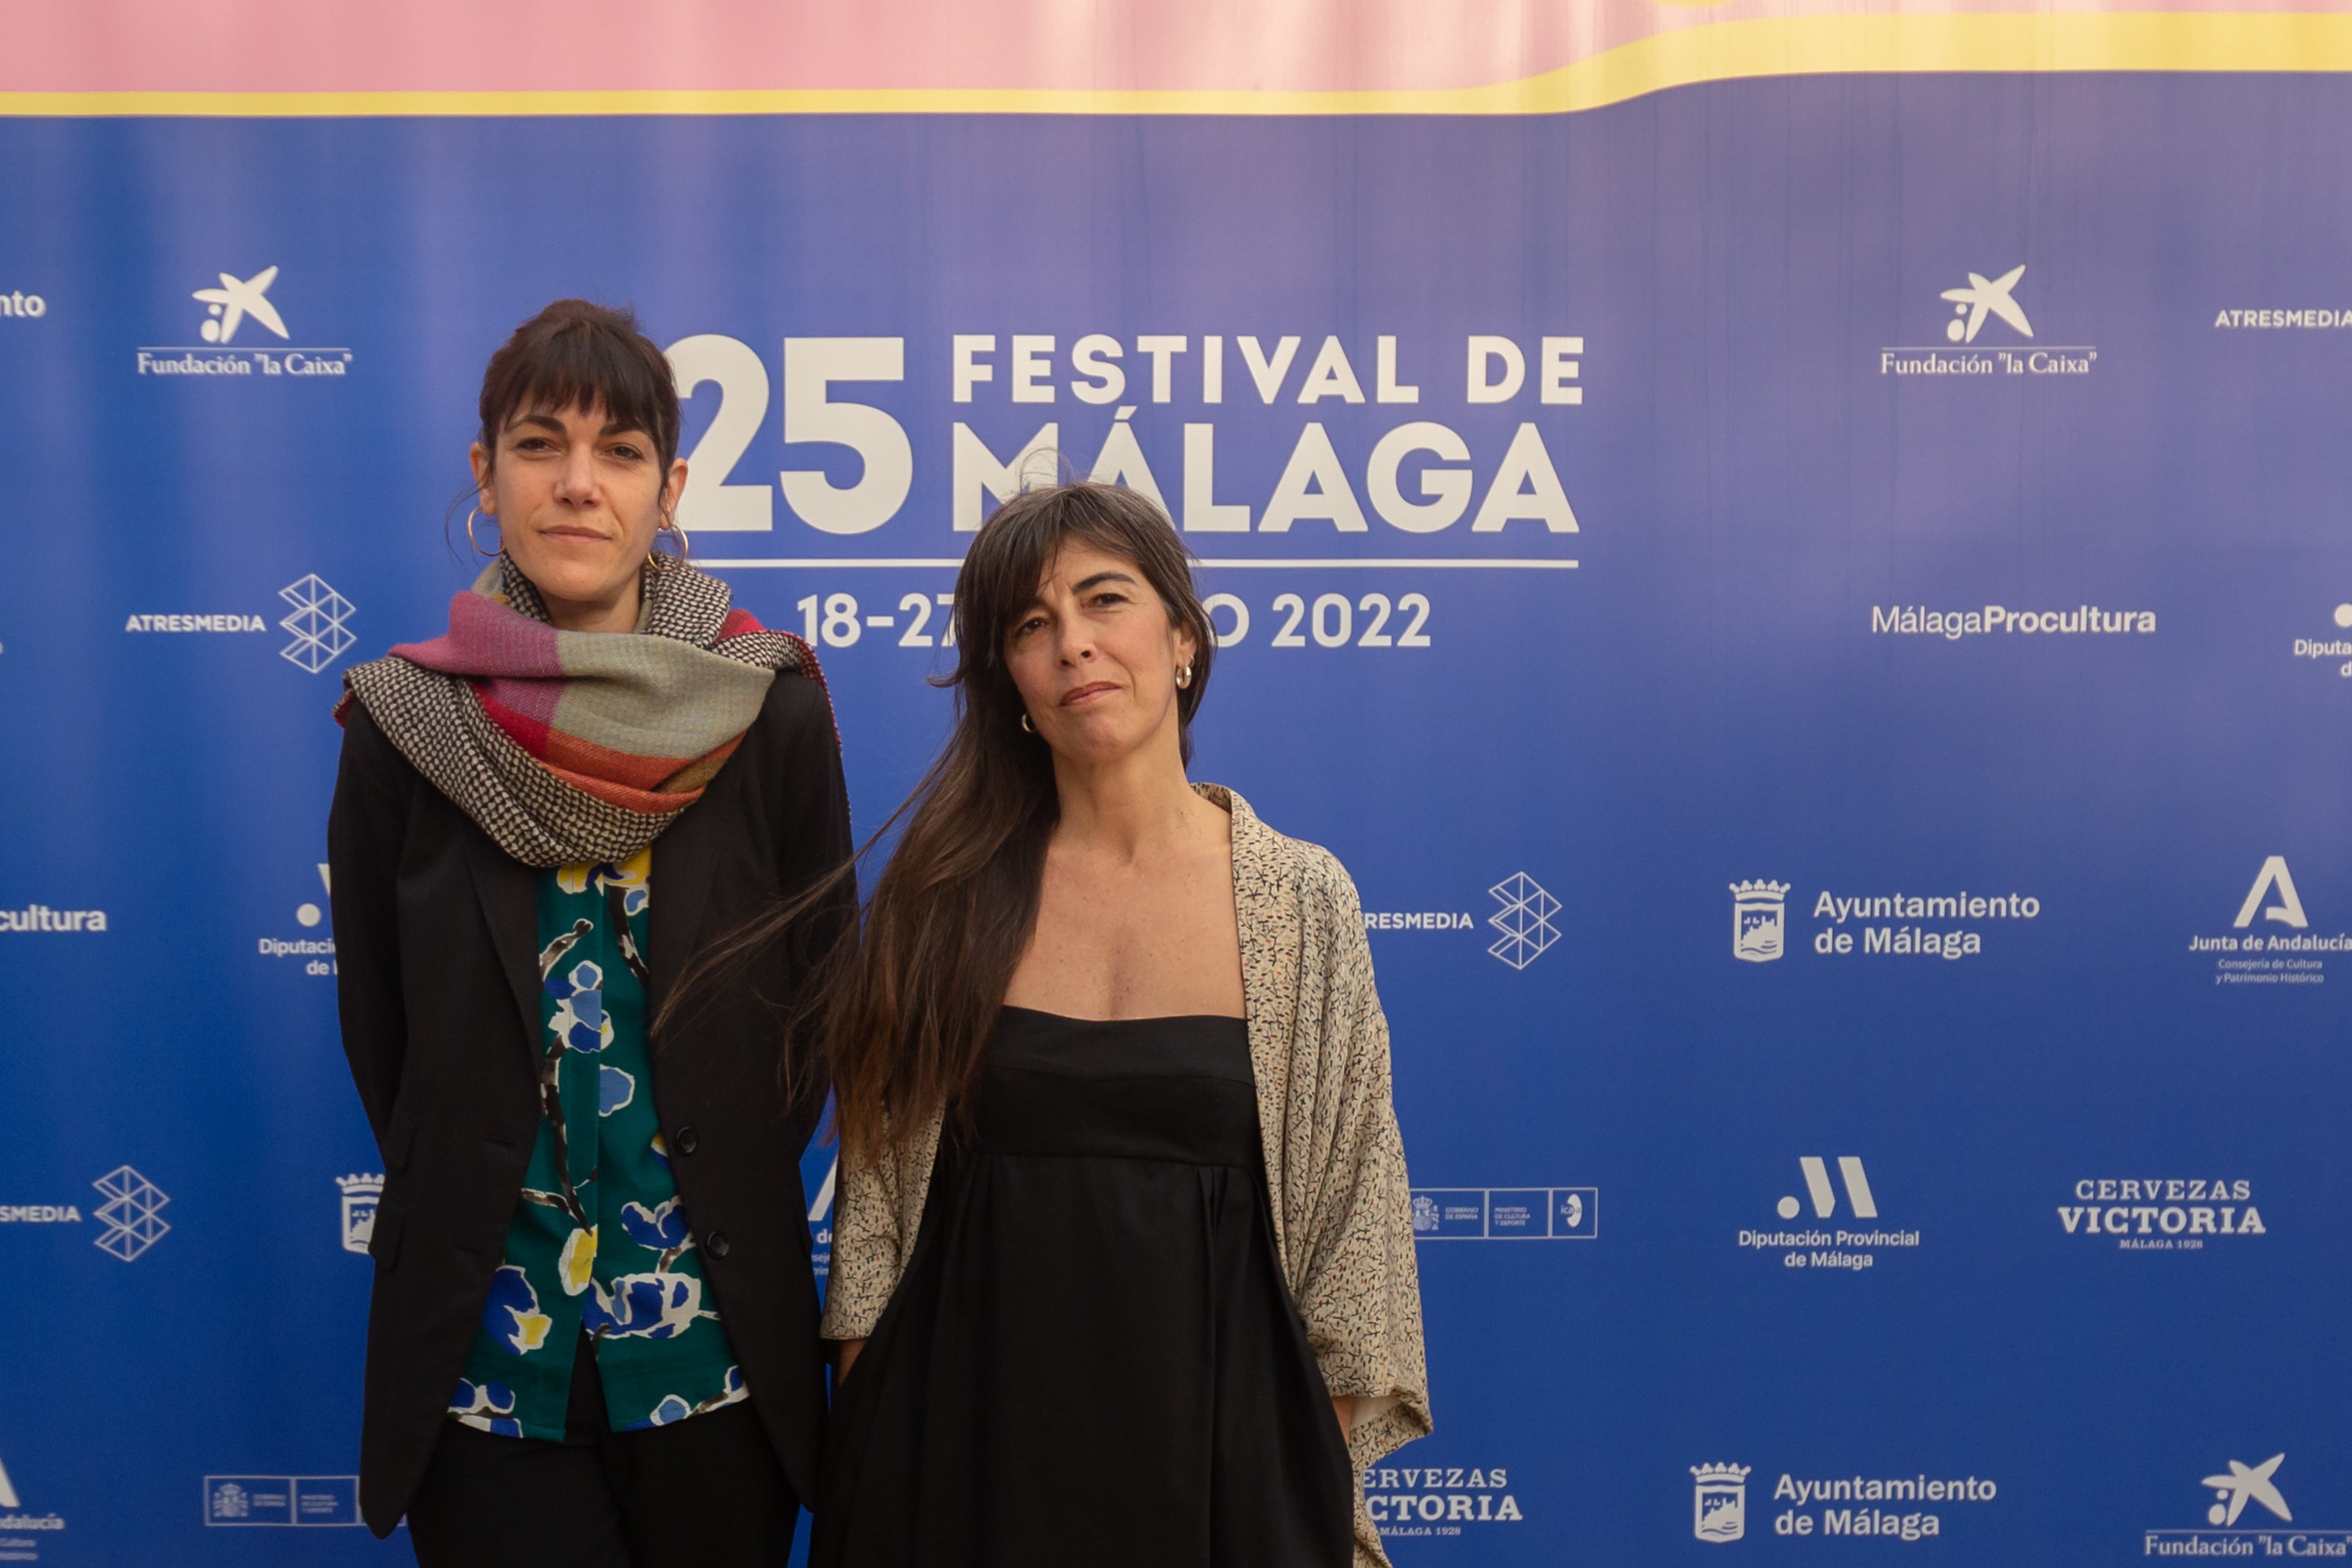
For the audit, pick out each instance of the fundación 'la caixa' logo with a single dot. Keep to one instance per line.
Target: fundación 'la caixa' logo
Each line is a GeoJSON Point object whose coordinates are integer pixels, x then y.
{"type": "Point", "coordinates": [228, 307]}
{"type": "Point", "coordinates": [1974, 303]}
{"type": "Point", "coordinates": [1719, 1502]}
{"type": "Point", "coordinates": [2236, 1530]}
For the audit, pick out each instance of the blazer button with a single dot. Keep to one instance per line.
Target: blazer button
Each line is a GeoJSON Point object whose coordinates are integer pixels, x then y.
{"type": "Point", "coordinates": [687, 1140]}
{"type": "Point", "coordinates": [716, 1243]}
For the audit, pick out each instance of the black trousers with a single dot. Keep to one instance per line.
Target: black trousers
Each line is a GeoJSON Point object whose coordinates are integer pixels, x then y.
{"type": "Point", "coordinates": [707, 1492]}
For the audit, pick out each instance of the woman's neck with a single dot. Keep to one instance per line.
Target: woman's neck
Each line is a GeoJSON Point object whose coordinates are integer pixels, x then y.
{"type": "Point", "coordinates": [1128, 808]}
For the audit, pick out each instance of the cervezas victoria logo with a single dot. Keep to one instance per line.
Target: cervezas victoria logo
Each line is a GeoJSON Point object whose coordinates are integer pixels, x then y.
{"type": "Point", "coordinates": [231, 305]}
{"type": "Point", "coordinates": [2162, 1214]}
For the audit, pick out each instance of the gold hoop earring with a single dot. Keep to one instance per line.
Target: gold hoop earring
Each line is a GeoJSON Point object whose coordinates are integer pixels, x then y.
{"type": "Point", "coordinates": [1025, 723]}
{"type": "Point", "coordinates": [1184, 678]}
{"type": "Point", "coordinates": [685, 545]}
{"type": "Point", "coordinates": [476, 544]}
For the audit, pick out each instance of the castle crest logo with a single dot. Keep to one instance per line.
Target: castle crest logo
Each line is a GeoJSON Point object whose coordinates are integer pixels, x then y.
{"type": "Point", "coordinates": [1719, 1502]}
{"type": "Point", "coordinates": [360, 1192]}
{"type": "Point", "coordinates": [1759, 921]}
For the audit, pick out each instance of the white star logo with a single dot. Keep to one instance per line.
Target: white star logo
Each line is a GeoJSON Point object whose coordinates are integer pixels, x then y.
{"type": "Point", "coordinates": [2242, 1483]}
{"type": "Point", "coordinates": [1983, 295]}
{"type": "Point", "coordinates": [234, 300]}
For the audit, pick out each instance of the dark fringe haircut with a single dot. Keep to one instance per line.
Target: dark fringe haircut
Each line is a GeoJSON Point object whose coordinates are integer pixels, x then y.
{"type": "Point", "coordinates": [576, 353]}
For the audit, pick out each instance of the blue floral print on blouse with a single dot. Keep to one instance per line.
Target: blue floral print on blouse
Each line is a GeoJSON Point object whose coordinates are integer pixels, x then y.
{"type": "Point", "coordinates": [600, 1240]}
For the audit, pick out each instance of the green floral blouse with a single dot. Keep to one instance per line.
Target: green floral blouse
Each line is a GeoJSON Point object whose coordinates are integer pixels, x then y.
{"type": "Point", "coordinates": [599, 1239]}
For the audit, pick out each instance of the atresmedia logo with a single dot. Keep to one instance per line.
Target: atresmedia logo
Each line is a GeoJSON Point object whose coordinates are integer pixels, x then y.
{"type": "Point", "coordinates": [1523, 918]}
{"type": "Point", "coordinates": [317, 620]}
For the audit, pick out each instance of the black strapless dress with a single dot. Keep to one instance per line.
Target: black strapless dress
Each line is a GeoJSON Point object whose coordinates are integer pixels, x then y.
{"type": "Point", "coordinates": [1092, 1359]}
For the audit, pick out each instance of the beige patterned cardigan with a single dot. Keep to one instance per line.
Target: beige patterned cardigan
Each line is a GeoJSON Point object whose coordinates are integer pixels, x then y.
{"type": "Point", "coordinates": [1334, 1161]}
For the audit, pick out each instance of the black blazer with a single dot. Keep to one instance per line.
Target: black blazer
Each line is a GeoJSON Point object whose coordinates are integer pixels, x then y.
{"type": "Point", "coordinates": [436, 949]}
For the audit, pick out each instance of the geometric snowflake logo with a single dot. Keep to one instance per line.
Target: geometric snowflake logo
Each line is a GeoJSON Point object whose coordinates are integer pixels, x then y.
{"type": "Point", "coordinates": [133, 1214]}
{"type": "Point", "coordinates": [316, 623]}
{"type": "Point", "coordinates": [1525, 921]}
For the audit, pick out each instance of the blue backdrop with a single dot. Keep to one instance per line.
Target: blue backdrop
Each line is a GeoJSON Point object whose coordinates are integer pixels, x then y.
{"type": "Point", "coordinates": [1858, 939]}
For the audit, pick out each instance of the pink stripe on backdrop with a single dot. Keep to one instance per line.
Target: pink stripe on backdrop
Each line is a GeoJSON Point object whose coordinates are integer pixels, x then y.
{"type": "Point", "coordinates": [511, 45]}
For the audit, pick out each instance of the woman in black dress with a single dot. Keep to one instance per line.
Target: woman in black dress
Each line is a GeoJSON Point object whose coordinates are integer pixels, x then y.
{"type": "Point", "coordinates": [1123, 1262]}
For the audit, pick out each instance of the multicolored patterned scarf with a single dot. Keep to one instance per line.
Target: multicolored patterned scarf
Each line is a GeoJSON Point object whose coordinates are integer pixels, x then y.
{"type": "Point", "coordinates": [573, 746]}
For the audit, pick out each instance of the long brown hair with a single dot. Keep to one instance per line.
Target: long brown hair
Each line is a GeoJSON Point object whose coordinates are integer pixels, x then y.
{"type": "Point", "coordinates": [907, 1012]}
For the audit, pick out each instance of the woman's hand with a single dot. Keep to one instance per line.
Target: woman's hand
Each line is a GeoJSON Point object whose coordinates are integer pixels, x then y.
{"type": "Point", "coordinates": [849, 1348]}
{"type": "Point", "coordinates": [1343, 1406]}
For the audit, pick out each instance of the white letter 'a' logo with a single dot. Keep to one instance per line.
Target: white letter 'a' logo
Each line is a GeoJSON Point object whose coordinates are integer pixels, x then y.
{"type": "Point", "coordinates": [2288, 909]}
{"type": "Point", "coordinates": [7, 1492]}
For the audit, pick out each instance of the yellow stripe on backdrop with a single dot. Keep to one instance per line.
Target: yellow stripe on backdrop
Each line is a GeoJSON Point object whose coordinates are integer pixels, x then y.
{"type": "Point", "coordinates": [1686, 55]}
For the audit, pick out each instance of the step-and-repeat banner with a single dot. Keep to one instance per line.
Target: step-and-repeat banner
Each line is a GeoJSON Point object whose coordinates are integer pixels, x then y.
{"type": "Point", "coordinates": [1801, 562]}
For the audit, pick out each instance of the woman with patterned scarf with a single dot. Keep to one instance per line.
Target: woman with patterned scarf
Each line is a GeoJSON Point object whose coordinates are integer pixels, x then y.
{"type": "Point", "coordinates": [592, 1337]}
